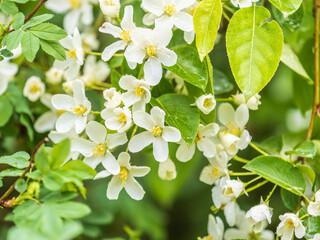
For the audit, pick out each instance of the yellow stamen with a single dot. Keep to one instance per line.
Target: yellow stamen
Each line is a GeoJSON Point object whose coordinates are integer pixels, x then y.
{"type": "Point", "coordinates": [156, 131]}
{"type": "Point", "coordinates": [207, 103]}
{"type": "Point", "coordinates": [75, 3]}
{"type": "Point", "coordinates": [60, 112]}
{"type": "Point", "coordinates": [125, 35]}
{"type": "Point", "coordinates": [209, 237]}
{"type": "Point", "coordinates": [140, 91]}
{"type": "Point", "coordinates": [228, 191]}
{"type": "Point", "coordinates": [151, 51]}
{"type": "Point", "coordinates": [72, 53]}
{"type": "Point", "coordinates": [214, 172]}
{"type": "Point", "coordinates": [79, 110]}
{"type": "Point", "coordinates": [191, 10]}
{"type": "Point", "coordinates": [234, 130]}
{"type": "Point", "coordinates": [35, 88]}
{"type": "Point", "coordinates": [170, 9]}
{"type": "Point", "coordinates": [290, 223]}
{"type": "Point", "coordinates": [110, 3]}
{"type": "Point", "coordinates": [123, 175]}
{"type": "Point", "coordinates": [99, 150]}
{"type": "Point", "coordinates": [122, 118]}
{"type": "Point", "coordinates": [198, 138]}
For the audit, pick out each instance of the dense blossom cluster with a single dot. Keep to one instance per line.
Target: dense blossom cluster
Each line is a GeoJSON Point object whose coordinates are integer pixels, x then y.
{"type": "Point", "coordinates": [71, 116]}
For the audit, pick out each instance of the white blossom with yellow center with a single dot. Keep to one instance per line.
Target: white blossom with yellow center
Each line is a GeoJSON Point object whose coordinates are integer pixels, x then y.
{"type": "Point", "coordinates": [125, 179]}
{"type": "Point", "coordinates": [110, 8]}
{"type": "Point", "coordinates": [113, 98]}
{"type": "Point", "coordinates": [34, 88]}
{"type": "Point", "coordinates": [118, 119]}
{"type": "Point", "coordinates": [157, 134]}
{"type": "Point", "coordinates": [75, 56]}
{"type": "Point", "coordinates": [98, 149]}
{"type": "Point", "coordinates": [77, 12]}
{"type": "Point", "coordinates": [289, 226]}
{"type": "Point", "coordinates": [169, 12]}
{"type": "Point", "coordinates": [151, 44]}
{"type": "Point", "coordinates": [206, 103]}
{"type": "Point", "coordinates": [167, 170]}
{"type": "Point", "coordinates": [75, 109]}
{"type": "Point", "coordinates": [138, 92]}
{"type": "Point", "coordinates": [215, 170]}
{"type": "Point", "coordinates": [123, 33]}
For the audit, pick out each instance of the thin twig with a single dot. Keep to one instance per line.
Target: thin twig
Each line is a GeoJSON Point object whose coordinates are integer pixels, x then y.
{"type": "Point", "coordinates": [7, 193]}
{"type": "Point", "coordinates": [258, 149]}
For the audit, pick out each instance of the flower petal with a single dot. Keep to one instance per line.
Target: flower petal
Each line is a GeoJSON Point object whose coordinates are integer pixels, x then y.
{"type": "Point", "coordinates": [114, 188]}
{"type": "Point", "coordinates": [184, 152]}
{"type": "Point", "coordinates": [160, 149]}
{"type": "Point", "coordinates": [62, 102]}
{"type": "Point", "coordinates": [144, 120]}
{"type": "Point", "coordinates": [171, 134]}
{"type": "Point", "coordinates": [154, 6]}
{"type": "Point", "coordinates": [226, 113]}
{"type": "Point", "coordinates": [92, 161]}
{"type": "Point", "coordinates": [158, 115]}
{"type": "Point", "coordinates": [109, 51]}
{"type": "Point", "coordinates": [133, 188]}
{"type": "Point", "coordinates": [65, 122]}
{"type": "Point", "coordinates": [110, 163]}
{"type": "Point", "coordinates": [116, 139]}
{"type": "Point", "coordinates": [78, 92]}
{"type": "Point", "coordinates": [96, 132]}
{"type": "Point", "coordinates": [167, 57]}
{"type": "Point", "coordinates": [242, 116]}
{"type": "Point", "coordinates": [183, 21]}
{"type": "Point", "coordinates": [139, 171]}
{"type": "Point", "coordinates": [83, 146]}
{"type": "Point", "coordinates": [46, 122]}
{"type": "Point", "coordinates": [140, 141]}
{"type": "Point", "coordinates": [152, 71]}
{"type": "Point", "coordinates": [102, 174]}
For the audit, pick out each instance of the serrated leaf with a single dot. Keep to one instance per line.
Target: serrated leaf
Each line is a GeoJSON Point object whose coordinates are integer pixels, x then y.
{"type": "Point", "coordinates": [30, 45]}
{"type": "Point", "coordinates": [37, 20]}
{"type": "Point", "coordinates": [287, 7]}
{"type": "Point", "coordinates": [48, 31]}
{"type": "Point", "coordinates": [54, 49]}
{"type": "Point", "coordinates": [279, 172]}
{"type": "Point", "coordinates": [206, 21]}
{"type": "Point", "coordinates": [189, 67]}
{"type": "Point", "coordinates": [9, 7]}
{"type": "Point", "coordinates": [179, 114]}
{"type": "Point", "coordinates": [13, 39]}
{"type": "Point", "coordinates": [290, 59]}
{"type": "Point", "coordinates": [254, 48]}
{"type": "Point", "coordinates": [18, 21]}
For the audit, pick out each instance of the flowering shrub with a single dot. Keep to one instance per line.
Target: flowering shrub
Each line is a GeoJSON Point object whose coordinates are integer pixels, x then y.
{"type": "Point", "coordinates": [139, 94]}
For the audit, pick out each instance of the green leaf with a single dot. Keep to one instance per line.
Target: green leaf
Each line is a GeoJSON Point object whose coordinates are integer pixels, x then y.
{"type": "Point", "coordinates": [37, 20]}
{"type": "Point", "coordinates": [273, 144]}
{"type": "Point", "coordinates": [6, 110]}
{"type": "Point", "coordinates": [180, 114]}
{"type": "Point", "coordinates": [21, 186]}
{"type": "Point", "coordinates": [19, 102]}
{"type": "Point", "coordinates": [17, 160]}
{"type": "Point", "coordinates": [304, 149]}
{"type": "Point", "coordinates": [25, 122]}
{"type": "Point", "coordinates": [30, 45]}
{"type": "Point", "coordinates": [287, 7]}
{"type": "Point", "coordinates": [189, 67]}
{"type": "Point", "coordinates": [115, 77]}
{"type": "Point", "coordinates": [54, 49]}
{"type": "Point", "coordinates": [290, 59]}
{"type": "Point", "coordinates": [206, 21]}
{"type": "Point", "coordinates": [221, 82]}
{"type": "Point", "coordinates": [254, 48]}
{"type": "Point", "coordinates": [315, 162]}
{"type": "Point", "coordinates": [59, 153]}
{"type": "Point", "coordinates": [312, 224]}
{"type": "Point", "coordinates": [18, 21]}
{"type": "Point", "coordinates": [11, 172]}
{"type": "Point", "coordinates": [308, 172]}
{"type": "Point", "coordinates": [292, 22]}
{"type": "Point", "coordinates": [71, 210]}
{"type": "Point", "coordinates": [290, 200]}
{"type": "Point", "coordinates": [279, 172]}
{"type": "Point", "coordinates": [9, 7]}
{"type": "Point", "coordinates": [48, 31]}
{"type": "Point", "coordinates": [6, 53]}
{"type": "Point", "coordinates": [41, 160]}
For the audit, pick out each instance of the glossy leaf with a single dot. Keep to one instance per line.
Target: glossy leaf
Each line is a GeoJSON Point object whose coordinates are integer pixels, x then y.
{"type": "Point", "coordinates": [280, 172]}
{"type": "Point", "coordinates": [206, 21]}
{"type": "Point", "coordinates": [308, 172]}
{"type": "Point", "coordinates": [287, 7]}
{"type": "Point", "coordinates": [179, 114]}
{"type": "Point", "coordinates": [304, 149]}
{"type": "Point", "coordinates": [254, 48]}
{"type": "Point", "coordinates": [290, 200]}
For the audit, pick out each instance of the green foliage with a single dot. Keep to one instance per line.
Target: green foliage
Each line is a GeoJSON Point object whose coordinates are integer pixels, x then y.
{"type": "Point", "coordinates": [312, 224]}
{"type": "Point", "coordinates": [53, 48]}
{"type": "Point", "coordinates": [180, 114]}
{"type": "Point", "coordinates": [48, 31]}
{"type": "Point", "coordinates": [254, 48]}
{"type": "Point", "coordinates": [18, 160]}
{"type": "Point", "coordinates": [6, 110]}
{"type": "Point", "coordinates": [304, 149]}
{"type": "Point", "coordinates": [30, 45]}
{"type": "Point", "coordinates": [289, 199]}
{"type": "Point", "coordinates": [115, 77]}
{"type": "Point", "coordinates": [279, 172]}
{"type": "Point", "coordinates": [287, 7]}
{"type": "Point", "coordinates": [206, 21]}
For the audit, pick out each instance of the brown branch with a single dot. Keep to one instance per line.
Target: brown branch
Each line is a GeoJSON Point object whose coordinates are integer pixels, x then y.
{"type": "Point", "coordinates": [35, 10]}
{"type": "Point", "coordinates": [7, 193]}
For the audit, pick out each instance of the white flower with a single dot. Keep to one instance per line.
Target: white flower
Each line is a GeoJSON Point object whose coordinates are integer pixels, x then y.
{"type": "Point", "coordinates": [316, 237]}
{"type": "Point", "coordinates": [157, 134]}
{"type": "Point", "coordinates": [215, 228]}
{"type": "Point", "coordinates": [98, 150]}
{"type": "Point", "coordinates": [57, 137]}
{"type": "Point", "coordinates": [94, 72]}
{"type": "Point", "coordinates": [206, 103]}
{"type": "Point", "coordinates": [125, 179]}
{"type": "Point", "coordinates": [138, 92]}
{"type": "Point", "coordinates": [47, 120]}
{"type": "Point", "coordinates": [167, 170]}
{"type": "Point", "coordinates": [189, 36]}
{"type": "Point", "coordinates": [124, 33]}
{"type": "Point", "coordinates": [290, 225]}
{"type": "Point", "coordinates": [253, 102]}
{"type": "Point", "coordinates": [215, 170]}
{"type": "Point", "coordinates": [34, 88]}
{"type": "Point", "coordinates": [205, 144]}
{"type": "Point", "coordinates": [218, 198]}
{"type": "Point", "coordinates": [54, 76]}
{"type": "Point", "coordinates": [233, 137]}
{"type": "Point", "coordinates": [151, 44]}
{"type": "Point", "coordinates": [258, 217]}
{"type": "Point", "coordinates": [75, 55]}
{"type": "Point", "coordinates": [118, 119]}
{"type": "Point", "coordinates": [7, 71]}
{"type": "Point", "coordinates": [67, 87]}
{"type": "Point", "coordinates": [314, 207]}
{"type": "Point", "coordinates": [233, 188]}
{"type": "Point", "coordinates": [243, 3]}
{"type": "Point", "coordinates": [76, 109]}
{"type": "Point", "coordinates": [78, 11]}
{"type": "Point", "coordinates": [113, 98]}
{"type": "Point", "coordinates": [90, 41]}
{"type": "Point", "coordinates": [110, 8]}
{"type": "Point", "coordinates": [170, 12]}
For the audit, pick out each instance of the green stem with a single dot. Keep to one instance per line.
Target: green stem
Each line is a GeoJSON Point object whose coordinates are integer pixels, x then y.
{"type": "Point", "coordinates": [239, 159]}
{"type": "Point", "coordinates": [304, 216]}
{"type": "Point", "coordinates": [258, 149]}
{"type": "Point", "coordinates": [241, 173]}
{"type": "Point", "coordinates": [226, 16]}
{"type": "Point", "coordinates": [270, 194]}
{"type": "Point", "coordinates": [92, 53]}
{"type": "Point", "coordinates": [95, 112]}
{"type": "Point", "coordinates": [97, 88]}
{"type": "Point", "coordinates": [256, 186]}
{"type": "Point", "coordinates": [253, 180]}
{"type": "Point", "coordinates": [133, 133]}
